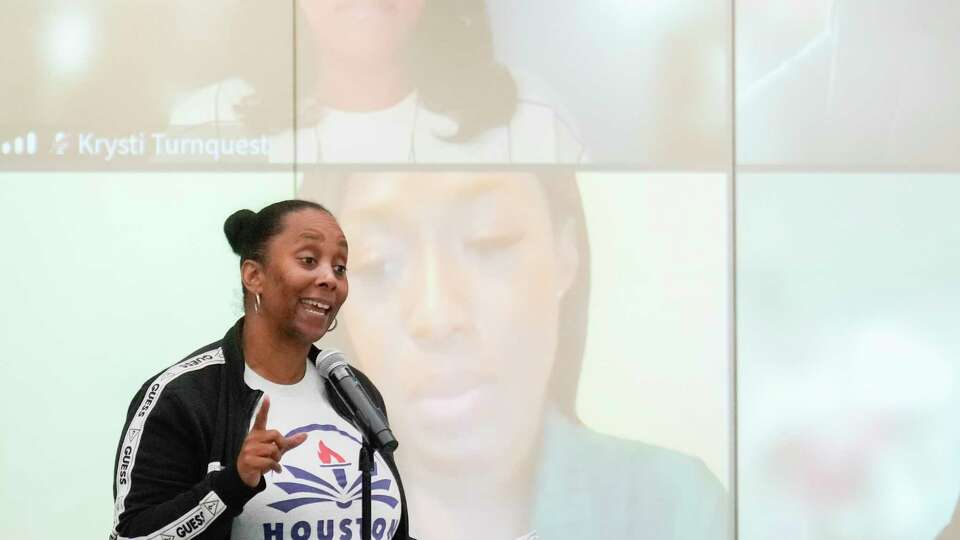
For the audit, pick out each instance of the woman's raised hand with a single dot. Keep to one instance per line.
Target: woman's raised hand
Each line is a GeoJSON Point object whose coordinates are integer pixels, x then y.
{"type": "Point", "coordinates": [263, 448]}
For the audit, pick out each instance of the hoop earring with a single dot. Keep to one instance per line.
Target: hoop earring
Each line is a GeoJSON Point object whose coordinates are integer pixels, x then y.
{"type": "Point", "coordinates": [333, 326]}
{"type": "Point", "coordinates": [256, 305]}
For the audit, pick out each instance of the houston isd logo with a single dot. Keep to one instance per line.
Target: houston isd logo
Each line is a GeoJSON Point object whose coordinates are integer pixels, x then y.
{"type": "Point", "coordinates": [334, 479]}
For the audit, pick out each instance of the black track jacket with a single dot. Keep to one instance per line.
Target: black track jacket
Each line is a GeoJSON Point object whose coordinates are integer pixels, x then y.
{"type": "Point", "coordinates": [175, 476]}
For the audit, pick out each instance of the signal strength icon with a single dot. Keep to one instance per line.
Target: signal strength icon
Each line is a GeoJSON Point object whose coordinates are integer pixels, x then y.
{"type": "Point", "coordinates": [25, 144]}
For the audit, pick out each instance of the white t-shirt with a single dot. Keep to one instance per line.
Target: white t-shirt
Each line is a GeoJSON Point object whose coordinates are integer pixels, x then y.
{"type": "Point", "coordinates": [407, 132]}
{"type": "Point", "coordinates": [318, 493]}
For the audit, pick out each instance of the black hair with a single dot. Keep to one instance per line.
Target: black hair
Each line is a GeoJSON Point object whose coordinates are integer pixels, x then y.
{"type": "Point", "coordinates": [565, 206]}
{"type": "Point", "coordinates": [455, 69]}
{"type": "Point", "coordinates": [249, 232]}
{"type": "Point", "coordinates": [451, 61]}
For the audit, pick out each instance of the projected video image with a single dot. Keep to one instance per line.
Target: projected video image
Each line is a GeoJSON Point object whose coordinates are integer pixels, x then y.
{"type": "Point", "coordinates": [239, 82]}
{"type": "Point", "coordinates": [849, 83]}
{"type": "Point", "coordinates": [488, 308]}
{"type": "Point", "coordinates": [847, 355]}
{"type": "Point", "coordinates": [97, 83]}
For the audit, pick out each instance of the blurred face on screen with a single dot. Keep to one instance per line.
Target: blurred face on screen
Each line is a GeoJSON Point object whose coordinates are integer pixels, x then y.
{"type": "Point", "coordinates": [457, 286]}
{"type": "Point", "coordinates": [362, 31]}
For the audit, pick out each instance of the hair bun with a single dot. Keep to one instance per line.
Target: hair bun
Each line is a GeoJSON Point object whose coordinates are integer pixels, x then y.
{"type": "Point", "coordinates": [235, 228]}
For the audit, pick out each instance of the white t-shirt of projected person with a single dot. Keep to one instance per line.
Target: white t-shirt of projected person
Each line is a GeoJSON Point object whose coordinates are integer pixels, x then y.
{"type": "Point", "coordinates": [405, 132]}
{"type": "Point", "coordinates": [318, 493]}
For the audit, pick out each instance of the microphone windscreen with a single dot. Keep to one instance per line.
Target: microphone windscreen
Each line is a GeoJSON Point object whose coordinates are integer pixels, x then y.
{"type": "Point", "coordinates": [328, 360]}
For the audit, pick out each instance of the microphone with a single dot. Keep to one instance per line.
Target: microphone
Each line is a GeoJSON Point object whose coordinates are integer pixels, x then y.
{"type": "Point", "coordinates": [368, 417]}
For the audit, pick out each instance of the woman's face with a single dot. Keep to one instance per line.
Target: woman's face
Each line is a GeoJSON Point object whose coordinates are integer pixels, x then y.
{"type": "Point", "coordinates": [362, 31]}
{"type": "Point", "coordinates": [304, 282]}
{"type": "Point", "coordinates": [457, 284]}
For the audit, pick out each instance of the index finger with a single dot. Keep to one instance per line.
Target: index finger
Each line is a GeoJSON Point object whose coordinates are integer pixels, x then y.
{"type": "Point", "coordinates": [260, 422]}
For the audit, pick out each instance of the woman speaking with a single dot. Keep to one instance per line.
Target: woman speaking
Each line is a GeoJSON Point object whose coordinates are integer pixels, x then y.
{"type": "Point", "coordinates": [206, 454]}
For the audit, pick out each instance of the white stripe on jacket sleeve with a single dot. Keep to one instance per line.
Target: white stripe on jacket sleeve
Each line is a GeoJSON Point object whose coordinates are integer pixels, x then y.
{"type": "Point", "coordinates": [131, 439]}
{"type": "Point", "coordinates": [189, 525]}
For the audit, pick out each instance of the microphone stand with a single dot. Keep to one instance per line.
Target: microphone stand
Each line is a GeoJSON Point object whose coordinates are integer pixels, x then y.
{"type": "Point", "coordinates": [351, 395]}
{"type": "Point", "coordinates": [366, 471]}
